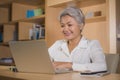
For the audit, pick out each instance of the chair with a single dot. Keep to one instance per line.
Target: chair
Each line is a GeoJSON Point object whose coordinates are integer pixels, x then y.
{"type": "Point", "coordinates": [118, 70]}
{"type": "Point", "coordinates": [112, 61]}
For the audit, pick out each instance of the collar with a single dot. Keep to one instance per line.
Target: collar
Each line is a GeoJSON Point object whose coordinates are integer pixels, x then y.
{"type": "Point", "coordinates": [83, 44]}
{"type": "Point", "coordinates": [64, 47]}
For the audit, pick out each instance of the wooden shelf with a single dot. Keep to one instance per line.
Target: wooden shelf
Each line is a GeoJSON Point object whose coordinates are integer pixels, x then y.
{"type": "Point", "coordinates": [80, 3]}
{"type": "Point", "coordinates": [32, 40]}
{"type": "Point", "coordinates": [86, 3]}
{"type": "Point", "coordinates": [4, 44]}
{"type": "Point", "coordinates": [7, 64]}
{"type": "Point", "coordinates": [32, 19]}
{"type": "Point", "coordinates": [58, 3]}
{"type": "Point", "coordinates": [95, 19]}
{"type": "Point", "coordinates": [32, 2]}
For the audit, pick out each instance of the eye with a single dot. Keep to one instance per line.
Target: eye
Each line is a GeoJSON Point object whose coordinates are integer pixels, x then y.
{"type": "Point", "coordinates": [69, 25]}
{"type": "Point", "coordinates": [62, 26]}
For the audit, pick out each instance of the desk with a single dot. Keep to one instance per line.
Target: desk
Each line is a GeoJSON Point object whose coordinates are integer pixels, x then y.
{"type": "Point", "coordinates": [4, 71]}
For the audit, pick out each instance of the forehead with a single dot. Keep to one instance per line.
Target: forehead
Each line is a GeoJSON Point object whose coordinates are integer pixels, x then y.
{"type": "Point", "coordinates": [66, 19]}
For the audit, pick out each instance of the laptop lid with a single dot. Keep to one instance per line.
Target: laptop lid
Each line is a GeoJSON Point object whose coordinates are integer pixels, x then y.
{"type": "Point", "coordinates": [31, 56]}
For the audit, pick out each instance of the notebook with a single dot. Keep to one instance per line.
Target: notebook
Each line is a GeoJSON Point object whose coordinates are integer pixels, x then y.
{"type": "Point", "coordinates": [95, 74]}
{"type": "Point", "coordinates": [32, 56]}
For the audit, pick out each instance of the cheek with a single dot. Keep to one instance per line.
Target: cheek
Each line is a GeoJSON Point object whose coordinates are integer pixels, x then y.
{"type": "Point", "coordinates": [76, 29]}
{"type": "Point", "coordinates": [61, 29]}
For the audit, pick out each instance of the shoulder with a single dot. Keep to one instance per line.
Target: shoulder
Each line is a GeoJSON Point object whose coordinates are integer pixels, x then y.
{"type": "Point", "coordinates": [57, 44]}
{"type": "Point", "coordinates": [94, 43]}
{"type": "Point", "coordinates": [89, 42]}
{"type": "Point", "coordinates": [95, 46]}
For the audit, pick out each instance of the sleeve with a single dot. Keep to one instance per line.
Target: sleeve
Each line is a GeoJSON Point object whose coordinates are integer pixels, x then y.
{"type": "Point", "coordinates": [53, 49]}
{"type": "Point", "coordinates": [98, 62]}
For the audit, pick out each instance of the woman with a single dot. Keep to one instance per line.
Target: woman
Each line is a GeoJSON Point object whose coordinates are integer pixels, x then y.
{"type": "Point", "coordinates": [75, 51]}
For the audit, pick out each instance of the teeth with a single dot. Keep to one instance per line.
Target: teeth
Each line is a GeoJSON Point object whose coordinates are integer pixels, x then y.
{"type": "Point", "coordinates": [67, 34]}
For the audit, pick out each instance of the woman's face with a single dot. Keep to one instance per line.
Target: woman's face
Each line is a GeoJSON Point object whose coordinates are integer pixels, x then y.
{"type": "Point", "coordinates": [70, 27]}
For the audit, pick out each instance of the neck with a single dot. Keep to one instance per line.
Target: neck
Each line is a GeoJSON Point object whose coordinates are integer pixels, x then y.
{"type": "Point", "coordinates": [73, 43]}
{"type": "Point", "coordinates": [75, 40]}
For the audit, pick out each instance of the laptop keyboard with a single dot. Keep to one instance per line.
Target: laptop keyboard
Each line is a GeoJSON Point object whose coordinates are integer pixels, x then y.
{"type": "Point", "coordinates": [63, 70]}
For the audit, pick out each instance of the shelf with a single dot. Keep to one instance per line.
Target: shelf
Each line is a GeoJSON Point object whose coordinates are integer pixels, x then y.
{"type": "Point", "coordinates": [32, 2]}
{"type": "Point", "coordinates": [7, 64]}
{"type": "Point", "coordinates": [42, 39]}
{"type": "Point", "coordinates": [80, 3]}
{"type": "Point", "coordinates": [95, 19]}
{"type": "Point", "coordinates": [4, 44]}
{"type": "Point", "coordinates": [7, 45]}
{"type": "Point", "coordinates": [58, 3]}
{"type": "Point", "coordinates": [86, 3]}
{"type": "Point", "coordinates": [32, 19]}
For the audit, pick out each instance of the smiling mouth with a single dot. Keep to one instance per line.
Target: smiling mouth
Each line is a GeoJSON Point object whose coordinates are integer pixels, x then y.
{"type": "Point", "coordinates": [67, 34]}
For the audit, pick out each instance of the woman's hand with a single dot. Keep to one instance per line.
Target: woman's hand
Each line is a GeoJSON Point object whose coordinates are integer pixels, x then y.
{"type": "Point", "coordinates": [62, 65]}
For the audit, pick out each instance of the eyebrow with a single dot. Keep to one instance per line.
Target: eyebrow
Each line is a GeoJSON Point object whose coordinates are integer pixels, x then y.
{"type": "Point", "coordinates": [67, 22]}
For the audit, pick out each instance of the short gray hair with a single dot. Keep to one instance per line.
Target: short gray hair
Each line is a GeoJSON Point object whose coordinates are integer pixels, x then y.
{"type": "Point", "coordinates": [74, 12]}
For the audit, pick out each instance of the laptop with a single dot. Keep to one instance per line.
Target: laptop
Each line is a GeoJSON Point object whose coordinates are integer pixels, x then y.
{"type": "Point", "coordinates": [32, 56]}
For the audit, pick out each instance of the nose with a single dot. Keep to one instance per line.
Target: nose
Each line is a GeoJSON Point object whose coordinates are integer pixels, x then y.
{"type": "Point", "coordinates": [65, 28]}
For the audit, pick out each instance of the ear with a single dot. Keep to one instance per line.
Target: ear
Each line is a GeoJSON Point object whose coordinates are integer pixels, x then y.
{"type": "Point", "coordinates": [81, 27]}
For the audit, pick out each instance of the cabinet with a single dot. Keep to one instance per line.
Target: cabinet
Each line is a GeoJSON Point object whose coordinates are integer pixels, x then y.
{"type": "Point", "coordinates": [96, 27]}
{"type": "Point", "coordinates": [14, 22]}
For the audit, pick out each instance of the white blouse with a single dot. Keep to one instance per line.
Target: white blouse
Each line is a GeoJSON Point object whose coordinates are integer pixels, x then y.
{"type": "Point", "coordinates": [87, 55]}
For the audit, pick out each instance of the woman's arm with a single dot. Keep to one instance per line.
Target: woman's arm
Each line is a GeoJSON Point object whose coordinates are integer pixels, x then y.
{"type": "Point", "coordinates": [98, 62]}
{"type": "Point", "coordinates": [62, 65]}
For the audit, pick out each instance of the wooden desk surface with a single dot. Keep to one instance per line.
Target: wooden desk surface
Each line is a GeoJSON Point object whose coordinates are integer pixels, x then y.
{"type": "Point", "coordinates": [6, 74]}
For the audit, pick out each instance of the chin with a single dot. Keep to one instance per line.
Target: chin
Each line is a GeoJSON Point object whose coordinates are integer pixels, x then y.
{"type": "Point", "coordinates": [68, 38]}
